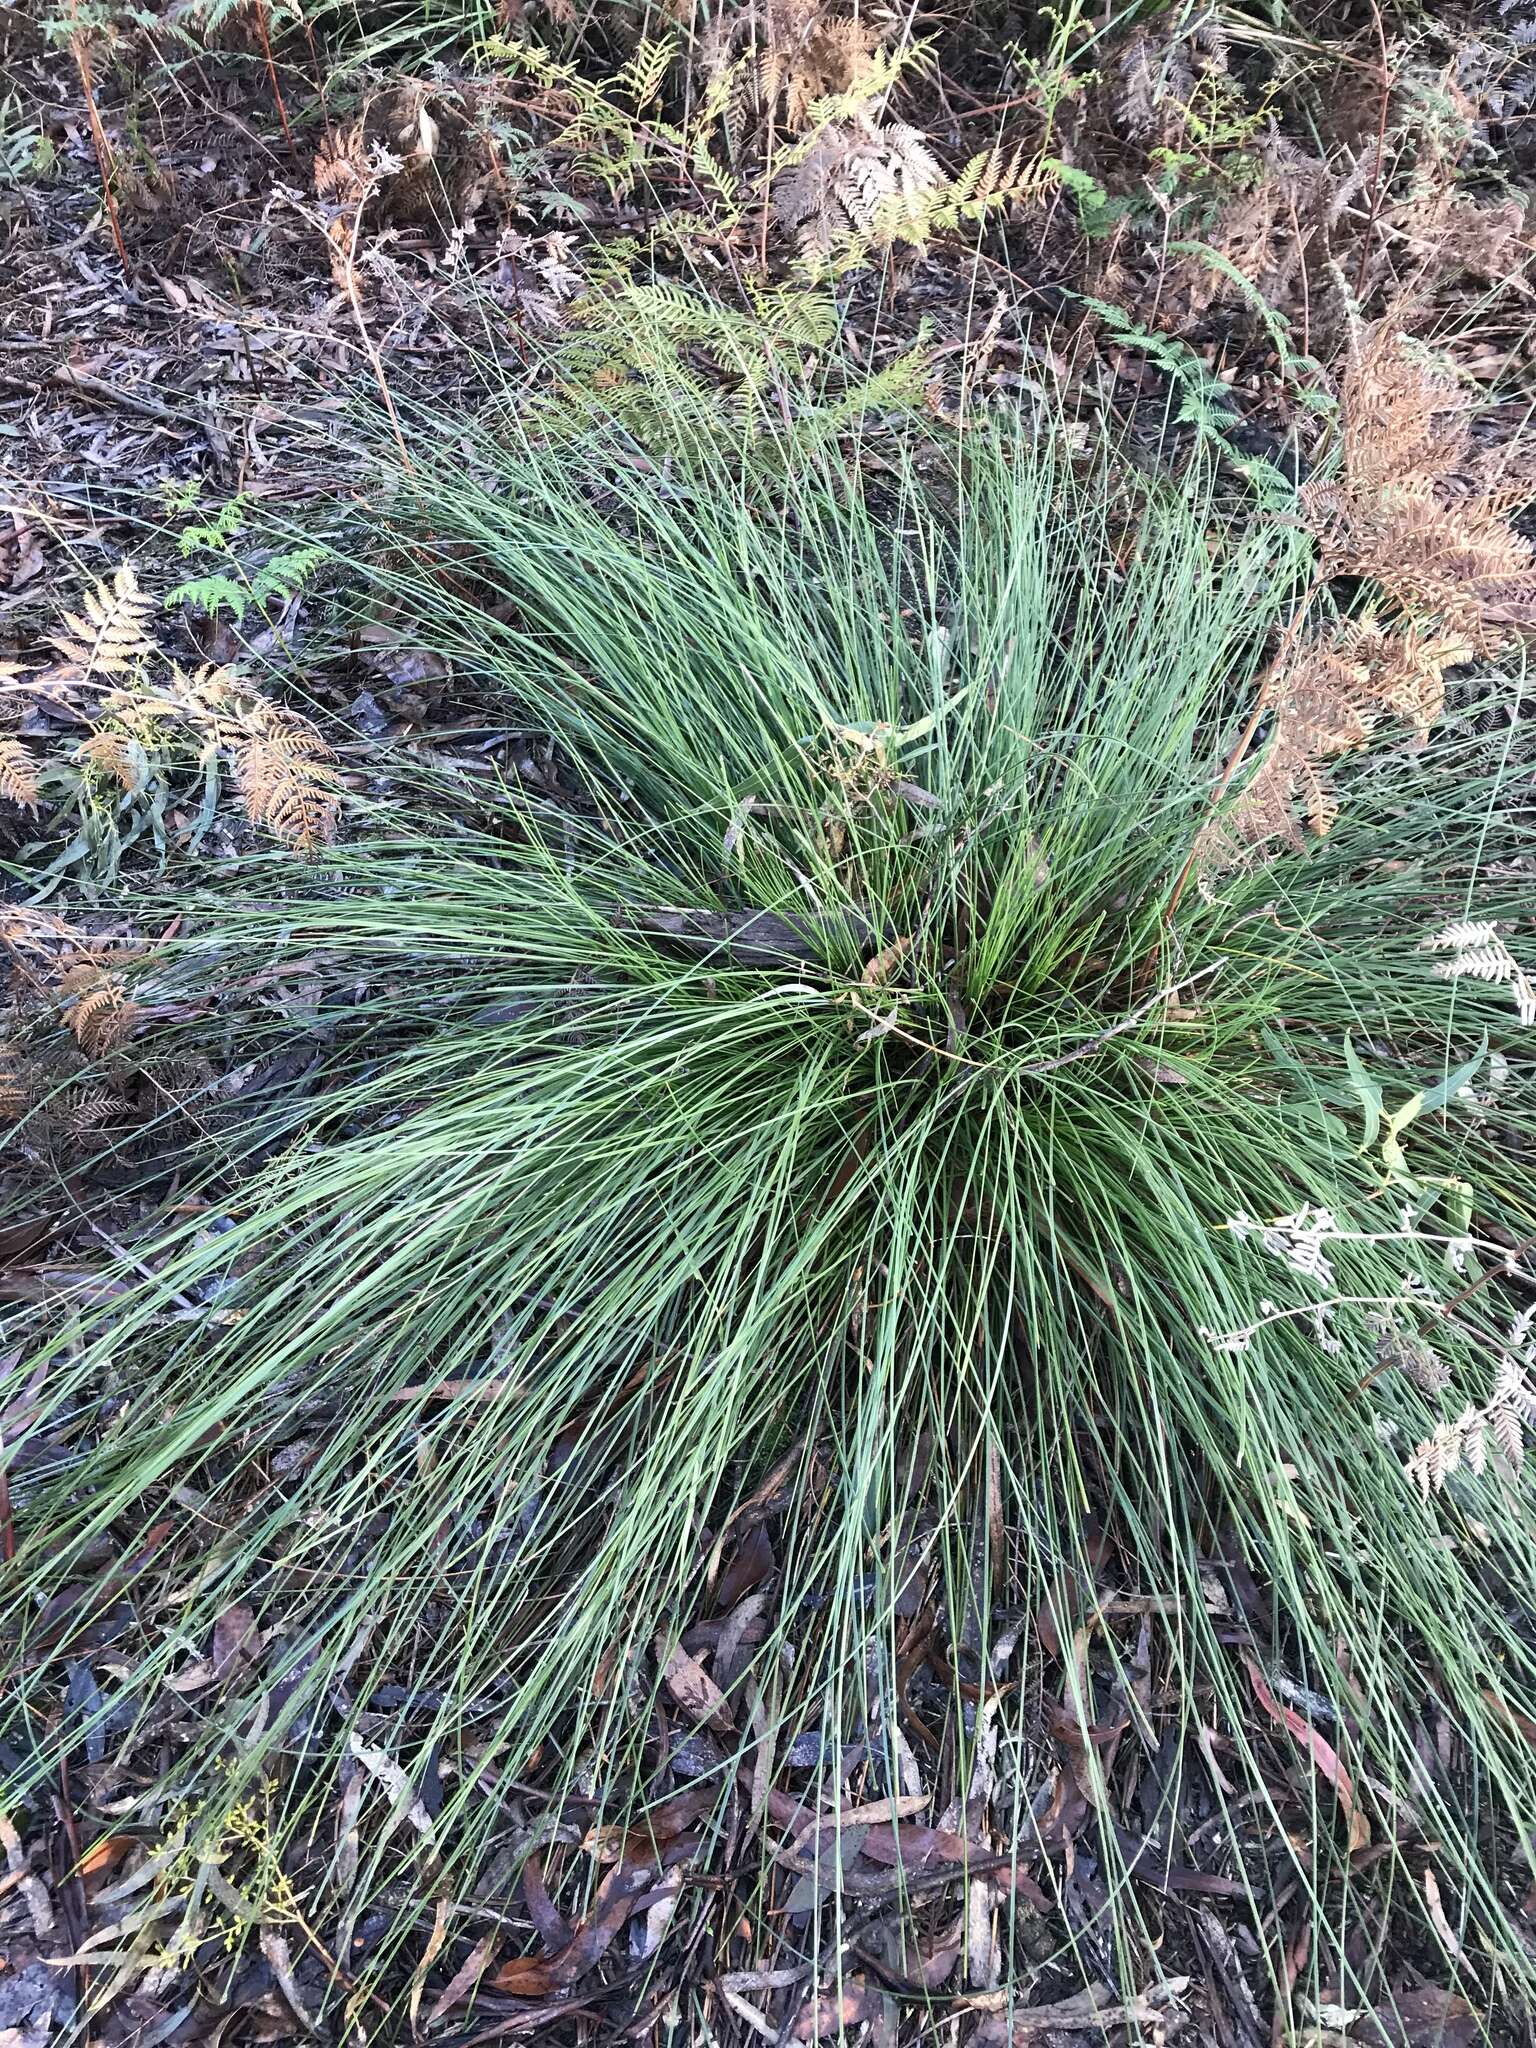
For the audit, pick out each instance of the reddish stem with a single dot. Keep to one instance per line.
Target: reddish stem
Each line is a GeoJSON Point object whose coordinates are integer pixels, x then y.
{"type": "Point", "coordinates": [105, 163]}
{"type": "Point", "coordinates": [260, 9]}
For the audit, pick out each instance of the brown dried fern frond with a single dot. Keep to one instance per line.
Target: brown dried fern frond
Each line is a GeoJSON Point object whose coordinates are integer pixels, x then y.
{"type": "Point", "coordinates": [1406, 417]}
{"type": "Point", "coordinates": [805, 55]}
{"type": "Point", "coordinates": [341, 173]}
{"type": "Point", "coordinates": [1498, 1426]}
{"type": "Point", "coordinates": [1327, 703]}
{"type": "Point", "coordinates": [1405, 1352]}
{"type": "Point", "coordinates": [1458, 560]}
{"type": "Point", "coordinates": [1159, 75]}
{"type": "Point", "coordinates": [343, 181]}
{"type": "Point", "coordinates": [18, 774]}
{"type": "Point", "coordinates": [291, 798]}
{"type": "Point", "coordinates": [210, 692]}
{"type": "Point", "coordinates": [108, 752]}
{"type": "Point", "coordinates": [287, 732]}
{"type": "Point", "coordinates": [1447, 228]}
{"type": "Point", "coordinates": [84, 1110]}
{"type": "Point", "coordinates": [1393, 515]}
{"type": "Point", "coordinates": [1258, 233]}
{"type": "Point", "coordinates": [99, 1010]}
{"type": "Point", "coordinates": [1404, 669]}
{"type": "Point", "coordinates": [287, 782]}
{"type": "Point", "coordinates": [110, 634]}
{"type": "Point", "coordinates": [177, 1081]}
{"type": "Point", "coordinates": [1154, 73]}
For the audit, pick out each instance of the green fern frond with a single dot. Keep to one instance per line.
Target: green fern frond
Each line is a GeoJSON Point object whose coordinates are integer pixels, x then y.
{"type": "Point", "coordinates": [280, 579]}
{"type": "Point", "coordinates": [641, 78]}
{"type": "Point", "coordinates": [896, 388]}
{"type": "Point", "coordinates": [968, 181]}
{"type": "Point", "coordinates": [212, 594]}
{"type": "Point", "coordinates": [795, 316]}
{"type": "Point", "coordinates": [286, 574]}
{"type": "Point", "coordinates": [217, 532]}
{"type": "Point", "coordinates": [1097, 213]}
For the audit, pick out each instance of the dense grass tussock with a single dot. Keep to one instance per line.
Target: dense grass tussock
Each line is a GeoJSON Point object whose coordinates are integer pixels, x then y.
{"type": "Point", "coordinates": [811, 1103]}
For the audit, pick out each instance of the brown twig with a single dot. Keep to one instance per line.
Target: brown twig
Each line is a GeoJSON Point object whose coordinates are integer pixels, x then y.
{"type": "Point", "coordinates": [1505, 1265]}
{"type": "Point", "coordinates": [347, 251]}
{"type": "Point", "coordinates": [355, 298]}
{"type": "Point", "coordinates": [1474, 1286]}
{"type": "Point", "coordinates": [105, 162]}
{"type": "Point", "coordinates": [1127, 1023]}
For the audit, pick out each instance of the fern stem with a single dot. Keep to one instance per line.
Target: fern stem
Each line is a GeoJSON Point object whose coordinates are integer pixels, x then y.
{"type": "Point", "coordinates": [105, 162]}
{"type": "Point", "coordinates": [355, 299]}
{"type": "Point", "coordinates": [1381, 152]}
{"type": "Point", "coordinates": [259, 9]}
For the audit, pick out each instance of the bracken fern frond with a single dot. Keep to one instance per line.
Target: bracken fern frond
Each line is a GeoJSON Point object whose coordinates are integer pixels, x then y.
{"type": "Point", "coordinates": [1478, 953]}
{"type": "Point", "coordinates": [110, 635]}
{"type": "Point", "coordinates": [18, 773]}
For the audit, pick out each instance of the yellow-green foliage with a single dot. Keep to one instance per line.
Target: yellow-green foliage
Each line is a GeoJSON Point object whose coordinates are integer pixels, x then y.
{"type": "Point", "coordinates": [223, 1862]}
{"type": "Point", "coordinates": [679, 371]}
{"type": "Point", "coordinates": [613, 131]}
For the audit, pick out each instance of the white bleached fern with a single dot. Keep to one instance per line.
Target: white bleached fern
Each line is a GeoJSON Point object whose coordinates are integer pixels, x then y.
{"type": "Point", "coordinates": [1499, 1425]}
{"type": "Point", "coordinates": [861, 181]}
{"type": "Point", "coordinates": [1477, 953]}
{"type": "Point", "coordinates": [110, 635]}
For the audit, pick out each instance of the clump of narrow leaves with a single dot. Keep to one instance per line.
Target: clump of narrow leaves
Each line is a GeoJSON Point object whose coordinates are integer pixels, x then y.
{"type": "Point", "coordinates": [813, 1108]}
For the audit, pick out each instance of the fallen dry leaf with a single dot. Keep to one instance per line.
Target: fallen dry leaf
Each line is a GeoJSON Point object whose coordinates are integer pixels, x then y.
{"type": "Point", "coordinates": [464, 1978]}
{"type": "Point", "coordinates": [1322, 1753]}
{"type": "Point", "coordinates": [886, 962]}
{"type": "Point", "coordinates": [236, 1641]}
{"type": "Point", "coordinates": [1429, 2017]}
{"type": "Point", "coordinates": [617, 1897]}
{"type": "Point", "coordinates": [828, 2015]}
{"type": "Point", "coordinates": [693, 1688]}
{"type": "Point", "coordinates": [103, 1856]}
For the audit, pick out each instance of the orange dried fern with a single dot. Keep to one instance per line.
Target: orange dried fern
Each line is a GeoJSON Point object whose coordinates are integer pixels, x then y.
{"type": "Point", "coordinates": [1394, 515]}
{"type": "Point", "coordinates": [97, 1006]}
{"type": "Point", "coordinates": [287, 781]}
{"type": "Point", "coordinates": [18, 773]}
{"type": "Point", "coordinates": [1326, 702]}
{"type": "Point", "coordinates": [282, 766]}
{"type": "Point", "coordinates": [108, 752]}
{"type": "Point", "coordinates": [110, 634]}
{"type": "Point", "coordinates": [1414, 511]}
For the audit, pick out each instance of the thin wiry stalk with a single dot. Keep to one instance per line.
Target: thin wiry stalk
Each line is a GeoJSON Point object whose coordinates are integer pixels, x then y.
{"type": "Point", "coordinates": [453, 1373]}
